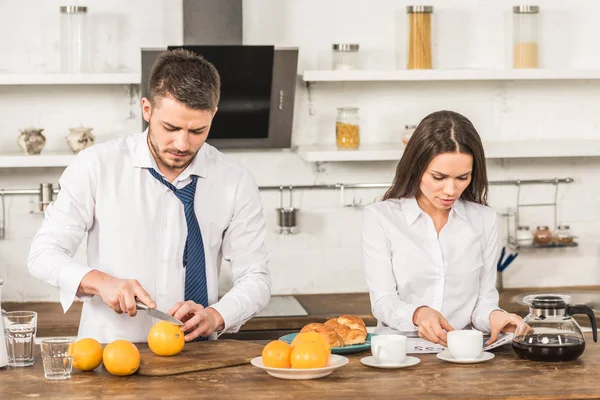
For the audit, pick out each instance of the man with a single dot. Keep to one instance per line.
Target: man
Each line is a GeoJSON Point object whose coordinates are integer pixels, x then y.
{"type": "Point", "coordinates": [161, 209]}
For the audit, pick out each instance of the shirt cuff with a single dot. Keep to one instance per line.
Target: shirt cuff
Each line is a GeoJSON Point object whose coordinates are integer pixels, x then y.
{"type": "Point", "coordinates": [229, 318]}
{"type": "Point", "coordinates": [71, 275]}
{"type": "Point", "coordinates": [481, 318]}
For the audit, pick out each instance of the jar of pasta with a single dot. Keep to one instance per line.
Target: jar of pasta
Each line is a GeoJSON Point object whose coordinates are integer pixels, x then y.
{"type": "Point", "coordinates": [419, 37]}
{"type": "Point", "coordinates": [525, 36]}
{"type": "Point", "coordinates": [347, 129]}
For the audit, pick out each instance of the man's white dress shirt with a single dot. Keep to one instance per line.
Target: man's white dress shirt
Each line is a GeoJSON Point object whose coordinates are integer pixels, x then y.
{"type": "Point", "coordinates": [136, 229]}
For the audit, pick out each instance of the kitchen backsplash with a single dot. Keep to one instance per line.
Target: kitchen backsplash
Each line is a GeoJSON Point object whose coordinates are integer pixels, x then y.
{"type": "Point", "coordinates": [325, 255]}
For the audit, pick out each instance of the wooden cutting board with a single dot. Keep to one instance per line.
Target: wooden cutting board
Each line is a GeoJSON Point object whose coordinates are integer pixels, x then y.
{"type": "Point", "coordinates": [199, 356]}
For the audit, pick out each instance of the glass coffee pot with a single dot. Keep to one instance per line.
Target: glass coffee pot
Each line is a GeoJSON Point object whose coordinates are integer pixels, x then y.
{"type": "Point", "coordinates": [549, 332]}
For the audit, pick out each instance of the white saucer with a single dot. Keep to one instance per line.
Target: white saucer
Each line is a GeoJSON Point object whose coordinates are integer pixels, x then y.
{"type": "Point", "coordinates": [483, 357]}
{"type": "Point", "coordinates": [407, 362]}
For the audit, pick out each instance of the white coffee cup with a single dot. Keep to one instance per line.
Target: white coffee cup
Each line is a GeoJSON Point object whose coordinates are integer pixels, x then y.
{"type": "Point", "coordinates": [388, 349]}
{"type": "Point", "coordinates": [465, 344]}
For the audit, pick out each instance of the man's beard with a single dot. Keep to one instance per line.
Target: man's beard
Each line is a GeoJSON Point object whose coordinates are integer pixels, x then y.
{"type": "Point", "coordinates": [164, 162]}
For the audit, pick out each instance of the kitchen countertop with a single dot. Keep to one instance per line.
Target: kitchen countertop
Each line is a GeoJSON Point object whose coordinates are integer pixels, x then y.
{"type": "Point", "coordinates": [504, 377]}
{"type": "Point", "coordinates": [320, 307]}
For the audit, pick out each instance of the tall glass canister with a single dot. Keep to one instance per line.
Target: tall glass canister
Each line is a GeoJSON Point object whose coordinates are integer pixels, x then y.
{"type": "Point", "coordinates": [73, 39]}
{"type": "Point", "coordinates": [419, 37]}
{"type": "Point", "coordinates": [525, 36]}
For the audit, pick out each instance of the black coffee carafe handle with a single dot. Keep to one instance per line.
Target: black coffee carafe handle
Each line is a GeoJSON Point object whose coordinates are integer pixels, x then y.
{"type": "Point", "coordinates": [587, 310]}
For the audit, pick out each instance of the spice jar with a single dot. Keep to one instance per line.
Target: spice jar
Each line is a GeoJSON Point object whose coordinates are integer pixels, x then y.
{"type": "Point", "coordinates": [563, 235]}
{"type": "Point", "coordinates": [345, 56]}
{"type": "Point", "coordinates": [347, 129]}
{"type": "Point", "coordinates": [419, 39]}
{"type": "Point", "coordinates": [524, 236]}
{"type": "Point", "coordinates": [525, 36]}
{"type": "Point", "coordinates": [542, 235]}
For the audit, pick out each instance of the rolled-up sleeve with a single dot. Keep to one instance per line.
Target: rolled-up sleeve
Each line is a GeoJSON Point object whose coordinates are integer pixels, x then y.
{"type": "Point", "coordinates": [487, 300]}
{"type": "Point", "coordinates": [386, 304]}
{"type": "Point", "coordinates": [244, 247]}
{"type": "Point", "coordinates": [65, 224]}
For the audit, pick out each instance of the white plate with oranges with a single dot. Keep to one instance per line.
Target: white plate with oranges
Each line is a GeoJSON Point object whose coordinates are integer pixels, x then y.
{"type": "Point", "coordinates": [335, 361]}
{"type": "Point", "coordinates": [307, 357]}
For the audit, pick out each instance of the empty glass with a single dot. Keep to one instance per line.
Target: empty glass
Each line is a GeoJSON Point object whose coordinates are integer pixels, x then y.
{"type": "Point", "coordinates": [57, 358]}
{"type": "Point", "coordinates": [19, 331]}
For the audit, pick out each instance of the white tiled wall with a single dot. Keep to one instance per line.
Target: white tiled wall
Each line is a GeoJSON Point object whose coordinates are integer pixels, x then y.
{"type": "Point", "coordinates": [325, 256]}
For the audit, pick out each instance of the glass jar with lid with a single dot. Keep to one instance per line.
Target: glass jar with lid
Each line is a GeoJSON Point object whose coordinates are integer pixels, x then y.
{"type": "Point", "coordinates": [563, 235]}
{"type": "Point", "coordinates": [408, 132]}
{"type": "Point", "coordinates": [419, 38]}
{"type": "Point", "coordinates": [525, 36]}
{"type": "Point", "coordinates": [347, 128]}
{"type": "Point", "coordinates": [345, 56]}
{"type": "Point", "coordinates": [524, 236]}
{"type": "Point", "coordinates": [542, 236]}
{"type": "Point", "coordinates": [73, 39]}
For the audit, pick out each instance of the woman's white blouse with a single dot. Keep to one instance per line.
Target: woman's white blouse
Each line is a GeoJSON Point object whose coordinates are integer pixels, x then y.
{"type": "Point", "coordinates": [407, 265]}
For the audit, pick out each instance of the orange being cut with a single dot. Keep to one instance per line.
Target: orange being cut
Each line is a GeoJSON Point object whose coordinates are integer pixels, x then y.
{"type": "Point", "coordinates": [121, 358]}
{"type": "Point", "coordinates": [166, 339]}
{"type": "Point", "coordinates": [276, 354]}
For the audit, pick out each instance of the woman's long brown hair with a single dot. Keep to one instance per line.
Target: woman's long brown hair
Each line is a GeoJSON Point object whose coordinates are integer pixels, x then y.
{"type": "Point", "coordinates": [440, 132]}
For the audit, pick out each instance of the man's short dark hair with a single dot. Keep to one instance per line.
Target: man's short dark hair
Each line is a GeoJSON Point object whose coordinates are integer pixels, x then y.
{"type": "Point", "coordinates": [186, 77]}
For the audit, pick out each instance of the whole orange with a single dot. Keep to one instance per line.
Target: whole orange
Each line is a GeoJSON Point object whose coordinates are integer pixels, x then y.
{"type": "Point", "coordinates": [312, 337]}
{"type": "Point", "coordinates": [276, 354]}
{"type": "Point", "coordinates": [308, 354]}
{"type": "Point", "coordinates": [121, 358]}
{"type": "Point", "coordinates": [87, 354]}
{"type": "Point", "coordinates": [166, 339]}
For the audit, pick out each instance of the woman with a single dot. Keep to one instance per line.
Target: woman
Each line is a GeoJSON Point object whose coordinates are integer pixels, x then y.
{"type": "Point", "coordinates": [430, 247]}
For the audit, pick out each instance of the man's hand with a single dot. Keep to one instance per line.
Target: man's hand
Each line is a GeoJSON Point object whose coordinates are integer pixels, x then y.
{"type": "Point", "coordinates": [118, 294]}
{"type": "Point", "coordinates": [432, 325]}
{"type": "Point", "coordinates": [197, 320]}
{"type": "Point", "coordinates": [501, 321]}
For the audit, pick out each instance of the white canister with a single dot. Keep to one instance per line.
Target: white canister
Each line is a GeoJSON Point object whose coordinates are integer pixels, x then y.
{"type": "Point", "coordinates": [524, 236]}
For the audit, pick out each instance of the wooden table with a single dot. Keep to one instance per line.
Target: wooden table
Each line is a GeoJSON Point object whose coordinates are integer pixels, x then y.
{"type": "Point", "coordinates": [320, 307]}
{"type": "Point", "coordinates": [504, 377]}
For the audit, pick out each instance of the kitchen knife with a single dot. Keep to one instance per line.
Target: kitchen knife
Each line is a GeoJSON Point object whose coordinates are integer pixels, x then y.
{"type": "Point", "coordinates": [157, 314]}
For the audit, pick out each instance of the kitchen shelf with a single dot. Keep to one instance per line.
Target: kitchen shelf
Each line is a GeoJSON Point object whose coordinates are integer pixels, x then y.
{"type": "Point", "coordinates": [493, 150]}
{"type": "Point", "coordinates": [450, 75]}
{"type": "Point", "coordinates": [70, 79]}
{"type": "Point", "coordinates": [516, 246]}
{"type": "Point", "coordinates": [49, 159]}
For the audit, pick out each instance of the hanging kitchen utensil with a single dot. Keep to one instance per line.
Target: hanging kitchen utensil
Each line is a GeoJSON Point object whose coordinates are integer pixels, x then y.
{"type": "Point", "coordinates": [286, 216]}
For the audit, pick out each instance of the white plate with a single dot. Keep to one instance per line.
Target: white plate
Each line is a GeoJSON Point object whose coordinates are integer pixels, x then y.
{"type": "Point", "coordinates": [335, 361]}
{"type": "Point", "coordinates": [446, 356]}
{"type": "Point", "coordinates": [409, 361]}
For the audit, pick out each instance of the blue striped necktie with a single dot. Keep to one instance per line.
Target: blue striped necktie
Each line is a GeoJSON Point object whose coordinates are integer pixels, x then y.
{"type": "Point", "coordinates": [193, 255]}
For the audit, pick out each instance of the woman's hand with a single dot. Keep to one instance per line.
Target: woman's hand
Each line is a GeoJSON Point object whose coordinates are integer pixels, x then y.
{"type": "Point", "coordinates": [197, 320]}
{"type": "Point", "coordinates": [501, 321]}
{"type": "Point", "coordinates": [432, 325]}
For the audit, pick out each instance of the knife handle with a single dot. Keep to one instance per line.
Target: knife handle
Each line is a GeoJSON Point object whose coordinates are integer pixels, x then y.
{"type": "Point", "coordinates": [140, 306]}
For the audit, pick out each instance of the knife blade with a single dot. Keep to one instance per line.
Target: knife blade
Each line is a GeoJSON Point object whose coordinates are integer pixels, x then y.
{"type": "Point", "coordinates": [153, 312]}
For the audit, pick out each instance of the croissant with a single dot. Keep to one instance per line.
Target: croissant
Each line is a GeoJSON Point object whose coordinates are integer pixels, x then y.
{"type": "Point", "coordinates": [327, 332]}
{"type": "Point", "coordinates": [351, 329]}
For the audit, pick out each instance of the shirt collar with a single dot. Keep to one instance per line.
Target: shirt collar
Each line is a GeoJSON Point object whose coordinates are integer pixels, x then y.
{"type": "Point", "coordinates": [142, 158]}
{"type": "Point", "coordinates": [459, 209]}
{"type": "Point", "coordinates": [411, 209]}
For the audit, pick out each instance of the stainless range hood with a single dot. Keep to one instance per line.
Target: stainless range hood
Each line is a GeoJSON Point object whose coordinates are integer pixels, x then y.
{"type": "Point", "coordinates": [219, 23]}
